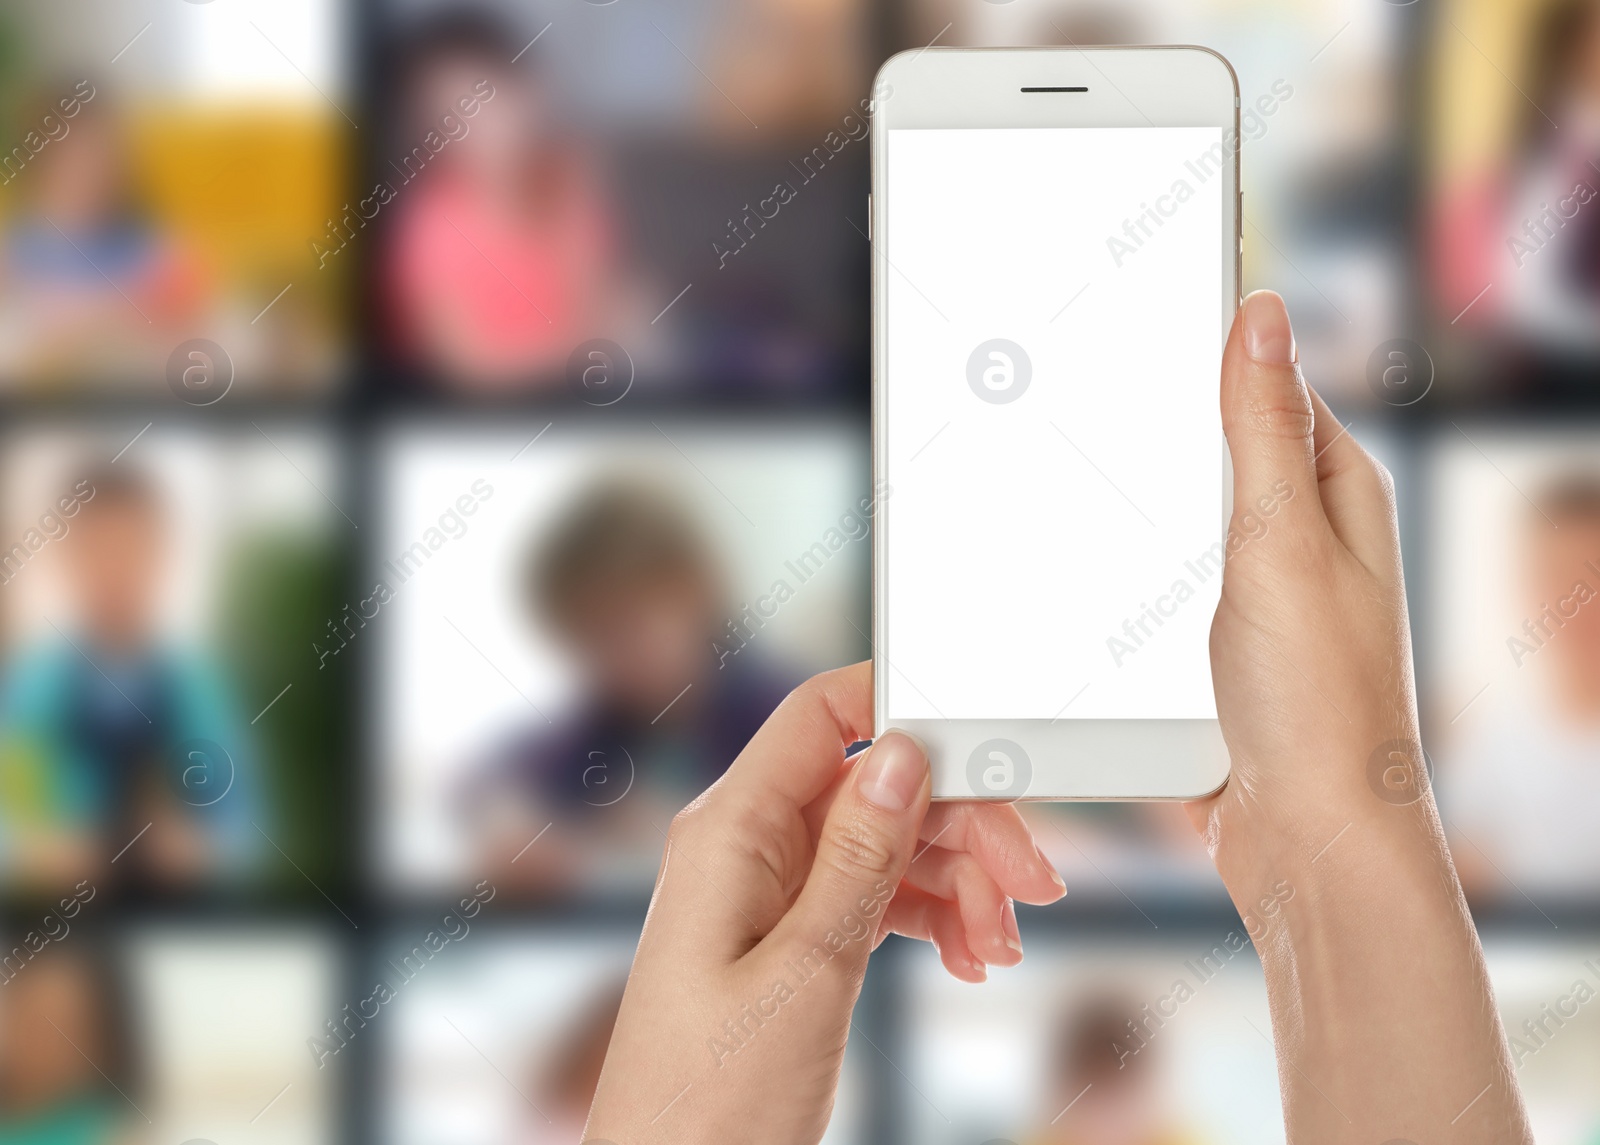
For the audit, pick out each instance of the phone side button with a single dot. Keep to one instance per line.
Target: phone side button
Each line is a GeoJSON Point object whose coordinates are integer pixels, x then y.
{"type": "Point", "coordinates": [869, 216]}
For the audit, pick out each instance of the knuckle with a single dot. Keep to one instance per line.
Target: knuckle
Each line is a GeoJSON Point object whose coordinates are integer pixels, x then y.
{"type": "Point", "coordinates": [685, 824]}
{"type": "Point", "coordinates": [1279, 408]}
{"type": "Point", "coordinates": [1279, 419]}
{"type": "Point", "coordinates": [858, 852]}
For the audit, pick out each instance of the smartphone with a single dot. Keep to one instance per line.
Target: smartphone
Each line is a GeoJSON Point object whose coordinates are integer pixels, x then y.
{"type": "Point", "coordinates": [1055, 265]}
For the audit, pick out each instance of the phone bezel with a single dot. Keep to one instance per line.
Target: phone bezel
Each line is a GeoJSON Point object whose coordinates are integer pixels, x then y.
{"type": "Point", "coordinates": [1166, 86]}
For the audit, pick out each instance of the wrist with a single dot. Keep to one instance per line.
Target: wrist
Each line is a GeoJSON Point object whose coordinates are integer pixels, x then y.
{"type": "Point", "coordinates": [1344, 854]}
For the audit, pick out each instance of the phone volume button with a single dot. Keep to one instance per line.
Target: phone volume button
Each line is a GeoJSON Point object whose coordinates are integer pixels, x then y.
{"type": "Point", "coordinates": [869, 216]}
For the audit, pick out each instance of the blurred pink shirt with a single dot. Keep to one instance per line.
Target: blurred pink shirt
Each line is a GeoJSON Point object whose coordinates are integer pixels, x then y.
{"type": "Point", "coordinates": [516, 286]}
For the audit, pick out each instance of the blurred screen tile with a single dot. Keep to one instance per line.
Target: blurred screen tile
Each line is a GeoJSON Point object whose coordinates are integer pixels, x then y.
{"type": "Point", "coordinates": [1513, 633]}
{"type": "Point", "coordinates": [580, 629]}
{"type": "Point", "coordinates": [554, 174]}
{"type": "Point", "coordinates": [162, 180]}
{"type": "Point", "coordinates": [161, 587]}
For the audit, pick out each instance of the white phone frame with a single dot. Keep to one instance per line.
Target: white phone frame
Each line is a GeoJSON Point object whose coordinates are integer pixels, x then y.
{"type": "Point", "coordinates": [1175, 86]}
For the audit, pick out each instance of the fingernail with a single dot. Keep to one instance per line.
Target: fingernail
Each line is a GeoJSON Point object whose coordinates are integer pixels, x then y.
{"type": "Point", "coordinates": [1055, 875]}
{"type": "Point", "coordinates": [922, 747]}
{"type": "Point", "coordinates": [1268, 337]}
{"type": "Point", "coordinates": [892, 773]}
{"type": "Point", "coordinates": [1008, 923]}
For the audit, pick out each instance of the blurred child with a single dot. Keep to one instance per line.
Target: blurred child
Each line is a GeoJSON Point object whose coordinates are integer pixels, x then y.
{"type": "Point", "coordinates": [108, 735]}
{"type": "Point", "coordinates": [634, 594]}
{"type": "Point", "coordinates": [90, 290]}
{"type": "Point", "coordinates": [1105, 1081]}
{"type": "Point", "coordinates": [1519, 793]}
{"type": "Point", "coordinates": [501, 244]}
{"type": "Point", "coordinates": [61, 1064]}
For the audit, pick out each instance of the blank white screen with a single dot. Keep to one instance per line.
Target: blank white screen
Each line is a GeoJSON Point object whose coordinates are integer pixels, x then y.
{"type": "Point", "coordinates": [1056, 554]}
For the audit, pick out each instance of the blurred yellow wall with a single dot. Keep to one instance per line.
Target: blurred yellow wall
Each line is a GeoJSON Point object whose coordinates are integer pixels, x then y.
{"type": "Point", "coordinates": [250, 187]}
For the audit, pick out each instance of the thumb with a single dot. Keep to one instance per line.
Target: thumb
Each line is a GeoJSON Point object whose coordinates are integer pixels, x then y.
{"type": "Point", "coordinates": [865, 846]}
{"type": "Point", "coordinates": [1267, 413]}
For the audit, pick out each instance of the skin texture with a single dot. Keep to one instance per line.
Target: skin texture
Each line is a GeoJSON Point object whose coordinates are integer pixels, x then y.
{"type": "Point", "coordinates": [1326, 835]}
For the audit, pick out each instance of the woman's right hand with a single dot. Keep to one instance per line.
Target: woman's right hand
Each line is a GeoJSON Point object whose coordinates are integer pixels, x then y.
{"type": "Point", "coordinates": [1326, 833]}
{"type": "Point", "coordinates": [1311, 648]}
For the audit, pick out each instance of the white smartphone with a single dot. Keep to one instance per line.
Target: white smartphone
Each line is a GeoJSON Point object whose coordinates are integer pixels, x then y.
{"type": "Point", "coordinates": [1056, 252]}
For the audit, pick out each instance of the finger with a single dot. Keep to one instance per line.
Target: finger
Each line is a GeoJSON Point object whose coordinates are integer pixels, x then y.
{"type": "Point", "coordinates": [984, 907]}
{"type": "Point", "coordinates": [864, 848]}
{"type": "Point", "coordinates": [998, 837]}
{"type": "Point", "coordinates": [930, 919]}
{"type": "Point", "coordinates": [1357, 494]}
{"type": "Point", "coordinates": [1267, 415]}
{"type": "Point", "coordinates": [995, 834]}
{"type": "Point", "coordinates": [798, 751]}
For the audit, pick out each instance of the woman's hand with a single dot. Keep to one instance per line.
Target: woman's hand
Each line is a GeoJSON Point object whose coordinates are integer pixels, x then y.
{"type": "Point", "coordinates": [1326, 834]}
{"type": "Point", "coordinates": [1311, 648]}
{"type": "Point", "coordinates": [777, 884]}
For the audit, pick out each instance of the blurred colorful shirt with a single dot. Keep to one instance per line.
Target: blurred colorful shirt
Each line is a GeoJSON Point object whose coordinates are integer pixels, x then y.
{"type": "Point", "coordinates": [79, 741]}
{"type": "Point", "coordinates": [92, 302]}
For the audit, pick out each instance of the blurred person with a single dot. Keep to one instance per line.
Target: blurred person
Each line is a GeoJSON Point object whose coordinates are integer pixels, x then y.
{"type": "Point", "coordinates": [1520, 790]}
{"type": "Point", "coordinates": [636, 597]}
{"type": "Point", "coordinates": [501, 252]}
{"type": "Point", "coordinates": [91, 289]}
{"type": "Point", "coordinates": [1532, 226]}
{"type": "Point", "coordinates": [64, 1070]}
{"type": "Point", "coordinates": [778, 882]}
{"type": "Point", "coordinates": [1105, 1087]}
{"type": "Point", "coordinates": [568, 1071]}
{"type": "Point", "coordinates": [108, 733]}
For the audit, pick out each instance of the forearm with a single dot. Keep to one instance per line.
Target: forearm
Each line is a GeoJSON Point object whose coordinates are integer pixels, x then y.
{"type": "Point", "coordinates": [1382, 1012]}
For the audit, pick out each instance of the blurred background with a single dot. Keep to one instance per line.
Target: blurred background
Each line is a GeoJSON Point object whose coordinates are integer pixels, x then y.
{"type": "Point", "coordinates": [402, 400]}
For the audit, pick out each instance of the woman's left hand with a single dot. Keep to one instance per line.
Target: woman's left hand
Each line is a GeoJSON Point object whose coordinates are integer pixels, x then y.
{"type": "Point", "coordinates": [777, 884]}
